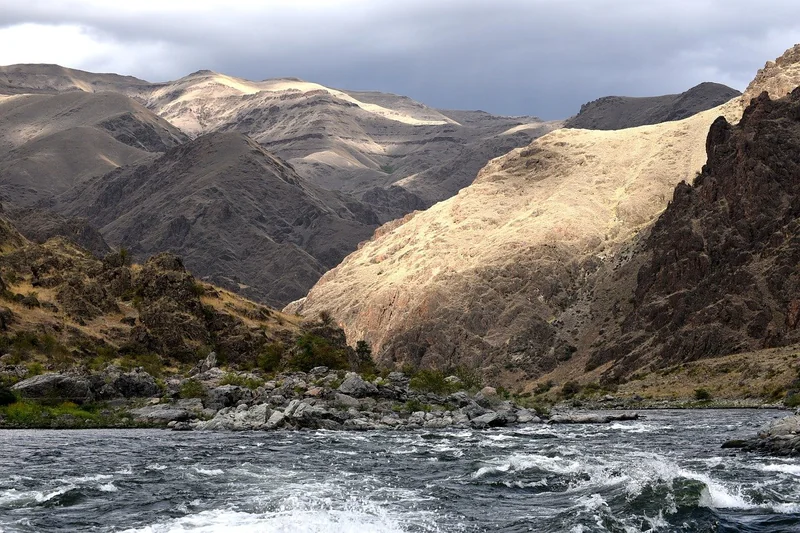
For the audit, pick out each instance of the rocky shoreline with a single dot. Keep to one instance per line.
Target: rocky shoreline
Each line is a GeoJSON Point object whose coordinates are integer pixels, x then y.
{"type": "Point", "coordinates": [319, 399]}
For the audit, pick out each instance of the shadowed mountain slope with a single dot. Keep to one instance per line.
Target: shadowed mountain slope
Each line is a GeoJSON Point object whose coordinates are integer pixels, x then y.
{"type": "Point", "coordinates": [238, 215]}
{"type": "Point", "coordinates": [619, 112]}
{"type": "Point", "coordinates": [50, 142]}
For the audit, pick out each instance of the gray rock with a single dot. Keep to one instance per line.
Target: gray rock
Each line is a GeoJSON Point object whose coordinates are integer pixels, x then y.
{"type": "Point", "coordinates": [289, 411]}
{"type": "Point", "coordinates": [525, 416]}
{"type": "Point", "coordinates": [226, 396]}
{"type": "Point", "coordinates": [354, 386]}
{"type": "Point", "coordinates": [136, 384]}
{"type": "Point", "coordinates": [343, 400]}
{"type": "Point", "coordinates": [358, 424]}
{"type": "Point", "coordinates": [590, 418]}
{"type": "Point", "coordinates": [161, 413]}
{"type": "Point", "coordinates": [398, 378]}
{"type": "Point", "coordinates": [205, 365]}
{"type": "Point", "coordinates": [453, 380]}
{"type": "Point", "coordinates": [55, 387]}
{"type": "Point", "coordinates": [488, 420]}
{"type": "Point", "coordinates": [473, 410]}
{"type": "Point", "coordinates": [459, 398]}
{"type": "Point", "coordinates": [275, 420]}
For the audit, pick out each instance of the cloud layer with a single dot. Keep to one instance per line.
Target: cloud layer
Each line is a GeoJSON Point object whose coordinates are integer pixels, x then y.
{"type": "Point", "coordinates": [538, 57]}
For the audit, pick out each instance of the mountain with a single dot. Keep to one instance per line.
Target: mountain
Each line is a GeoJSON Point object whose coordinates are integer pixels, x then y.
{"type": "Point", "coordinates": [395, 153]}
{"type": "Point", "coordinates": [239, 216]}
{"type": "Point", "coordinates": [720, 274]}
{"type": "Point", "coordinates": [525, 270]}
{"type": "Point", "coordinates": [50, 142]}
{"type": "Point", "coordinates": [53, 79]}
{"type": "Point", "coordinates": [619, 112]}
{"type": "Point", "coordinates": [358, 142]}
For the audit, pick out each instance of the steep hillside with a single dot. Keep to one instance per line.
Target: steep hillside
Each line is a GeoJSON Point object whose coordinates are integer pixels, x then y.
{"type": "Point", "coordinates": [618, 112]}
{"type": "Point", "coordinates": [62, 308]}
{"type": "Point", "coordinates": [485, 277]}
{"type": "Point", "coordinates": [721, 270]}
{"type": "Point", "coordinates": [529, 267]}
{"type": "Point", "coordinates": [50, 142]}
{"type": "Point", "coordinates": [239, 216]}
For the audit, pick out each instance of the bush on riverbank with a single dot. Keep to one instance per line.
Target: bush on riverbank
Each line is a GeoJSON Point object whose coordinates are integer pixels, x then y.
{"type": "Point", "coordinates": [6, 397]}
{"type": "Point", "coordinates": [29, 414]}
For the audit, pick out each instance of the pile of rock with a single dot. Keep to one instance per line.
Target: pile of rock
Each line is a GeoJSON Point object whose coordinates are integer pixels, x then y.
{"type": "Point", "coordinates": [781, 437]}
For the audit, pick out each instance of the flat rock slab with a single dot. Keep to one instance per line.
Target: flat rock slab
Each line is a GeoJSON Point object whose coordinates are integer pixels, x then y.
{"type": "Point", "coordinates": [591, 418]}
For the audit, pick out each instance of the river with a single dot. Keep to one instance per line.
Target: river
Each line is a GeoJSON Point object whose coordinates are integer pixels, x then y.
{"type": "Point", "coordinates": [663, 473]}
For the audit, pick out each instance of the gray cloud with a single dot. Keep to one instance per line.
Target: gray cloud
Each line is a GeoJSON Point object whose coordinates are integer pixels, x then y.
{"type": "Point", "coordinates": [542, 57]}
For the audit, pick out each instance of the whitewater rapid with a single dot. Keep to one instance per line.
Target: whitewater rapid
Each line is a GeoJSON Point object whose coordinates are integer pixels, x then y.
{"type": "Point", "coordinates": [664, 473]}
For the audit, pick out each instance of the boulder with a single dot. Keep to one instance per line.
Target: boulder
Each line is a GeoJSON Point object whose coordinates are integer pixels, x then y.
{"type": "Point", "coordinates": [161, 413]}
{"type": "Point", "coordinates": [344, 400]}
{"type": "Point", "coordinates": [226, 396]}
{"type": "Point", "coordinates": [136, 384]}
{"type": "Point", "coordinates": [55, 387]}
{"type": "Point", "coordinates": [275, 420]}
{"type": "Point", "coordinates": [590, 418]}
{"type": "Point", "coordinates": [354, 386]}
{"type": "Point", "coordinates": [488, 420]}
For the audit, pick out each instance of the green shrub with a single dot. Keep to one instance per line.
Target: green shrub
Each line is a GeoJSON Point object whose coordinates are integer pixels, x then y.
{"type": "Point", "coordinates": [702, 395]}
{"type": "Point", "coordinates": [269, 360]}
{"type": "Point", "coordinates": [6, 396]}
{"type": "Point", "coordinates": [412, 406]}
{"type": "Point", "coordinates": [198, 289]}
{"type": "Point", "coordinates": [364, 363]}
{"type": "Point", "coordinates": [312, 351]}
{"type": "Point", "coordinates": [192, 389]}
{"type": "Point", "coordinates": [35, 369]}
{"type": "Point", "coordinates": [471, 378]}
{"type": "Point", "coordinates": [570, 389]}
{"type": "Point", "coordinates": [792, 399]}
{"type": "Point", "coordinates": [544, 387]}
{"type": "Point", "coordinates": [232, 378]}
{"type": "Point", "coordinates": [431, 381]}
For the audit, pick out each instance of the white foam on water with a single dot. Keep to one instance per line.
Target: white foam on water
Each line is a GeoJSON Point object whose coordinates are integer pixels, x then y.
{"type": "Point", "coordinates": [13, 496]}
{"type": "Point", "coordinates": [108, 487]}
{"type": "Point", "coordinates": [521, 463]}
{"type": "Point", "coordinates": [155, 466]}
{"type": "Point", "coordinates": [284, 521]}
{"type": "Point", "coordinates": [793, 469]}
{"type": "Point", "coordinates": [209, 471]}
{"type": "Point", "coordinates": [636, 427]}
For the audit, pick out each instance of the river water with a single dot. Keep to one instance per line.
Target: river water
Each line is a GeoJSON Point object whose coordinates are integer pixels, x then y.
{"type": "Point", "coordinates": [664, 473]}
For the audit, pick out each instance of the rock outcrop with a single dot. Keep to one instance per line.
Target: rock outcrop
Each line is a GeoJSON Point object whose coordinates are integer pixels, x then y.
{"type": "Point", "coordinates": [55, 388]}
{"type": "Point", "coordinates": [781, 438]}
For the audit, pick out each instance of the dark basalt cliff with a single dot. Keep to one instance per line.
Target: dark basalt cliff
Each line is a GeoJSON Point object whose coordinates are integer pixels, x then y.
{"type": "Point", "coordinates": [722, 273]}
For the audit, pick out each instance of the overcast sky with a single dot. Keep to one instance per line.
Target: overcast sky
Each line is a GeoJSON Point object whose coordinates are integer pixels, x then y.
{"type": "Point", "coordinates": [536, 57]}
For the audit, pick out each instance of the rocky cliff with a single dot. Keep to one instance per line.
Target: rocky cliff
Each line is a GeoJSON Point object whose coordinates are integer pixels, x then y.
{"type": "Point", "coordinates": [721, 274]}
{"type": "Point", "coordinates": [619, 112]}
